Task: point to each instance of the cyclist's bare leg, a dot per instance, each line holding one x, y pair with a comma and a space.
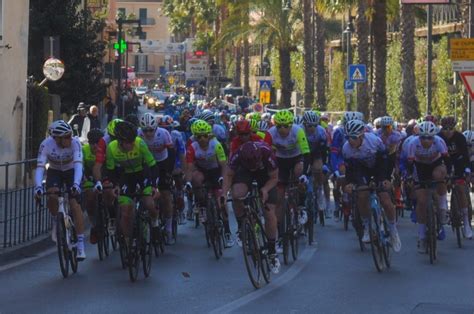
78, 215
239, 191
91, 205
52, 201
126, 218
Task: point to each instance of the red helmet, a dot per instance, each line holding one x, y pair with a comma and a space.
251, 155
243, 126
431, 118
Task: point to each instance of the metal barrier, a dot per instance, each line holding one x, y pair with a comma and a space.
21, 219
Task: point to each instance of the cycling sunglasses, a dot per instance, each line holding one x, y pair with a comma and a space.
352, 137
447, 129
148, 130
310, 125
200, 136
285, 126
426, 137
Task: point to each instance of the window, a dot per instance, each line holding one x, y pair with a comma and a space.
142, 35
143, 15
122, 12
141, 63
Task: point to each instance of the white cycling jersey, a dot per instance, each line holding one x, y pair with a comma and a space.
416, 152
159, 144
286, 147
366, 153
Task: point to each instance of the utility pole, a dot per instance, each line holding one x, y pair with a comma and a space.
471, 35
430, 58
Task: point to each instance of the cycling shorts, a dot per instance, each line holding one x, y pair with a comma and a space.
247, 177
286, 166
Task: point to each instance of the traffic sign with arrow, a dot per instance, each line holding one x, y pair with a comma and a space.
468, 80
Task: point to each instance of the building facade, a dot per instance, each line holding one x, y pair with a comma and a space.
14, 16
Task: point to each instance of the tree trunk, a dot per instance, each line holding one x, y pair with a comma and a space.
308, 54
379, 25
246, 67
410, 105
320, 45
238, 65
362, 31
285, 75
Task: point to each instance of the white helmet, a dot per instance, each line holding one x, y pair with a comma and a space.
352, 115
311, 117
59, 128
378, 122
266, 116
469, 135
148, 121
428, 128
298, 120
386, 121
354, 127
263, 125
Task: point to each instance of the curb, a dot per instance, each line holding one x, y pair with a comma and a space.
27, 250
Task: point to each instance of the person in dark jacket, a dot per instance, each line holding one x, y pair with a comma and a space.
78, 119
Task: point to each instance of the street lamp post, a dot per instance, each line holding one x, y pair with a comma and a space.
120, 22
347, 37
131, 43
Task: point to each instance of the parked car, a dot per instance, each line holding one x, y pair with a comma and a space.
155, 100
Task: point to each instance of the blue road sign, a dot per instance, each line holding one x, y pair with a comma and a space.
265, 85
348, 85
358, 73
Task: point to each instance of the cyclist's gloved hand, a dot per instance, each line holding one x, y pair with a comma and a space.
467, 171
188, 186
98, 186
337, 173
303, 178
326, 169
38, 191
76, 189
221, 179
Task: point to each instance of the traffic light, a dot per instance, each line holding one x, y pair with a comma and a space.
121, 47
199, 53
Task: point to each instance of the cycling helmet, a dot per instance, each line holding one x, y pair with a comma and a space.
207, 116
125, 131
266, 116
243, 126
133, 119
166, 120
378, 122
352, 115
148, 121
201, 127
111, 126
386, 121
411, 123
283, 117
428, 128
448, 122
430, 118
81, 106
94, 135
311, 117
469, 135
263, 125
175, 124
59, 128
251, 154
354, 127
233, 118
256, 116
253, 125
298, 120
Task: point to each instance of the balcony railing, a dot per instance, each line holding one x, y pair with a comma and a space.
149, 21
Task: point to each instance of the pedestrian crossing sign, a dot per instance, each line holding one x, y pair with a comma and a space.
358, 73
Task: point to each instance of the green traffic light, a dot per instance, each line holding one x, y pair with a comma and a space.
122, 47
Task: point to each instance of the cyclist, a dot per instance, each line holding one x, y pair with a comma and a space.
159, 143
365, 156
64, 154
459, 160
426, 154
244, 134
205, 162
293, 156
318, 144
130, 164
255, 161
90, 194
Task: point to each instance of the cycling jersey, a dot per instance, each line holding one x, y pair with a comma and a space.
268, 161
129, 162
102, 148
457, 150
417, 153
59, 159
366, 152
391, 140
159, 144
178, 144
317, 141
219, 132
338, 140
294, 144
404, 153
206, 159
88, 157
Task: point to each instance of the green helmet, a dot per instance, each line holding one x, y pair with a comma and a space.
253, 125
111, 126
283, 117
201, 127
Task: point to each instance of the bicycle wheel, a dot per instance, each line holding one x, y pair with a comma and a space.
431, 233
251, 253
61, 242
386, 245
123, 250
133, 259
73, 251
286, 235
213, 227
375, 243
263, 246
295, 236
145, 245
456, 218
309, 226
174, 227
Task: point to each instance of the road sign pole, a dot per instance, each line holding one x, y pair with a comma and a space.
430, 59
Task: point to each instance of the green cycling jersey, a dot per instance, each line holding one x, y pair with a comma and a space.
129, 162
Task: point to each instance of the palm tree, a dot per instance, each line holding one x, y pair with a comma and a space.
362, 31
308, 54
379, 27
408, 97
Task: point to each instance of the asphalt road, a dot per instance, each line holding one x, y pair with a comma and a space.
331, 277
